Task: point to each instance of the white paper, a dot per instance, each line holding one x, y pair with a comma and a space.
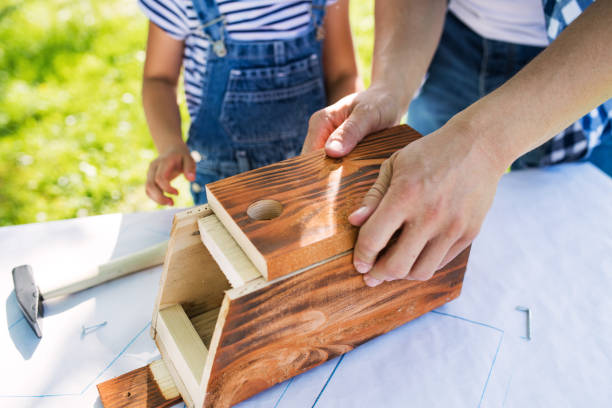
545, 244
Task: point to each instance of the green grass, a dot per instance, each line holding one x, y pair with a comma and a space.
73, 140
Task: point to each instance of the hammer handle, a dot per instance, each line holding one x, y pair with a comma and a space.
114, 269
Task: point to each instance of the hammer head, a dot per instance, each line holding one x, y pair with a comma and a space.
28, 297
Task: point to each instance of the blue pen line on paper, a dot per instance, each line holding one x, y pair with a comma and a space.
76, 394
506, 393
491, 369
283, 393
117, 357
467, 320
501, 339
328, 380
438, 313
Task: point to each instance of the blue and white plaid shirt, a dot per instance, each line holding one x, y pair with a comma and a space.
581, 137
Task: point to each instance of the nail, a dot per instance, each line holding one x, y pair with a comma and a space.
360, 212
86, 330
371, 281
528, 311
362, 267
334, 145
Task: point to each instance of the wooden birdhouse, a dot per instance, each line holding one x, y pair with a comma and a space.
258, 285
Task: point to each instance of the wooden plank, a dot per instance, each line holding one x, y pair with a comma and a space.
190, 276
187, 398
291, 325
184, 347
204, 325
150, 386
232, 260
292, 214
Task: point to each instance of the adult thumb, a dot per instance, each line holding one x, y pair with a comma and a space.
362, 120
189, 167
374, 195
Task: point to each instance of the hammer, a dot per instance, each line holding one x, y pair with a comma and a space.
30, 297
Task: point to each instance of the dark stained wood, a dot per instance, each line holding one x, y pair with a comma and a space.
317, 193
293, 325
136, 389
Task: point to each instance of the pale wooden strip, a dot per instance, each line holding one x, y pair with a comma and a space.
214, 344
164, 380
259, 261
204, 324
184, 347
232, 260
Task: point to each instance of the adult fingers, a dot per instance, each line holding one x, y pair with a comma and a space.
375, 233
375, 194
363, 119
398, 260
431, 256
455, 250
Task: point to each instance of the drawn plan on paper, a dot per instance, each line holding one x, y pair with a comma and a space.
546, 244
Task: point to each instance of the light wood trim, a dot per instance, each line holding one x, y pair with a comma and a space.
232, 260
116, 268
187, 399
190, 276
184, 347
214, 344
204, 324
163, 379
254, 255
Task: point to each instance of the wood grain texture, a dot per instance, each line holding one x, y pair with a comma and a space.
204, 324
316, 194
294, 324
146, 387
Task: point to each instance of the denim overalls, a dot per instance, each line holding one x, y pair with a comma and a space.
257, 97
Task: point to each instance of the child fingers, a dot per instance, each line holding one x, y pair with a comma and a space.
153, 191
189, 167
163, 175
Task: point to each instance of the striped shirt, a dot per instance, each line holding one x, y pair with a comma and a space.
246, 20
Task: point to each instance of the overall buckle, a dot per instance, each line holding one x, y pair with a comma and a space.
219, 48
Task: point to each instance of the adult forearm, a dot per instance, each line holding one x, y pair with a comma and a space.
567, 80
407, 33
162, 113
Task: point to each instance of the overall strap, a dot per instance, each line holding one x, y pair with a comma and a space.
212, 24
318, 14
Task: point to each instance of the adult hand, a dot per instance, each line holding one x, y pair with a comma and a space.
165, 168
437, 190
339, 127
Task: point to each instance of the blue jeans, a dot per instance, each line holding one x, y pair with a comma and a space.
257, 98
467, 67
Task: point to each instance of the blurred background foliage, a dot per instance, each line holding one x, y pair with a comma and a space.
73, 139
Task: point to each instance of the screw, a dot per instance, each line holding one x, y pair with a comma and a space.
528, 311
86, 330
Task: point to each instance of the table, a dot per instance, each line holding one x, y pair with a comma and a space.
545, 244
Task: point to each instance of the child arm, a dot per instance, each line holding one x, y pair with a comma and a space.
160, 78
339, 64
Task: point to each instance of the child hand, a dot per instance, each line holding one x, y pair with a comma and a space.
164, 169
